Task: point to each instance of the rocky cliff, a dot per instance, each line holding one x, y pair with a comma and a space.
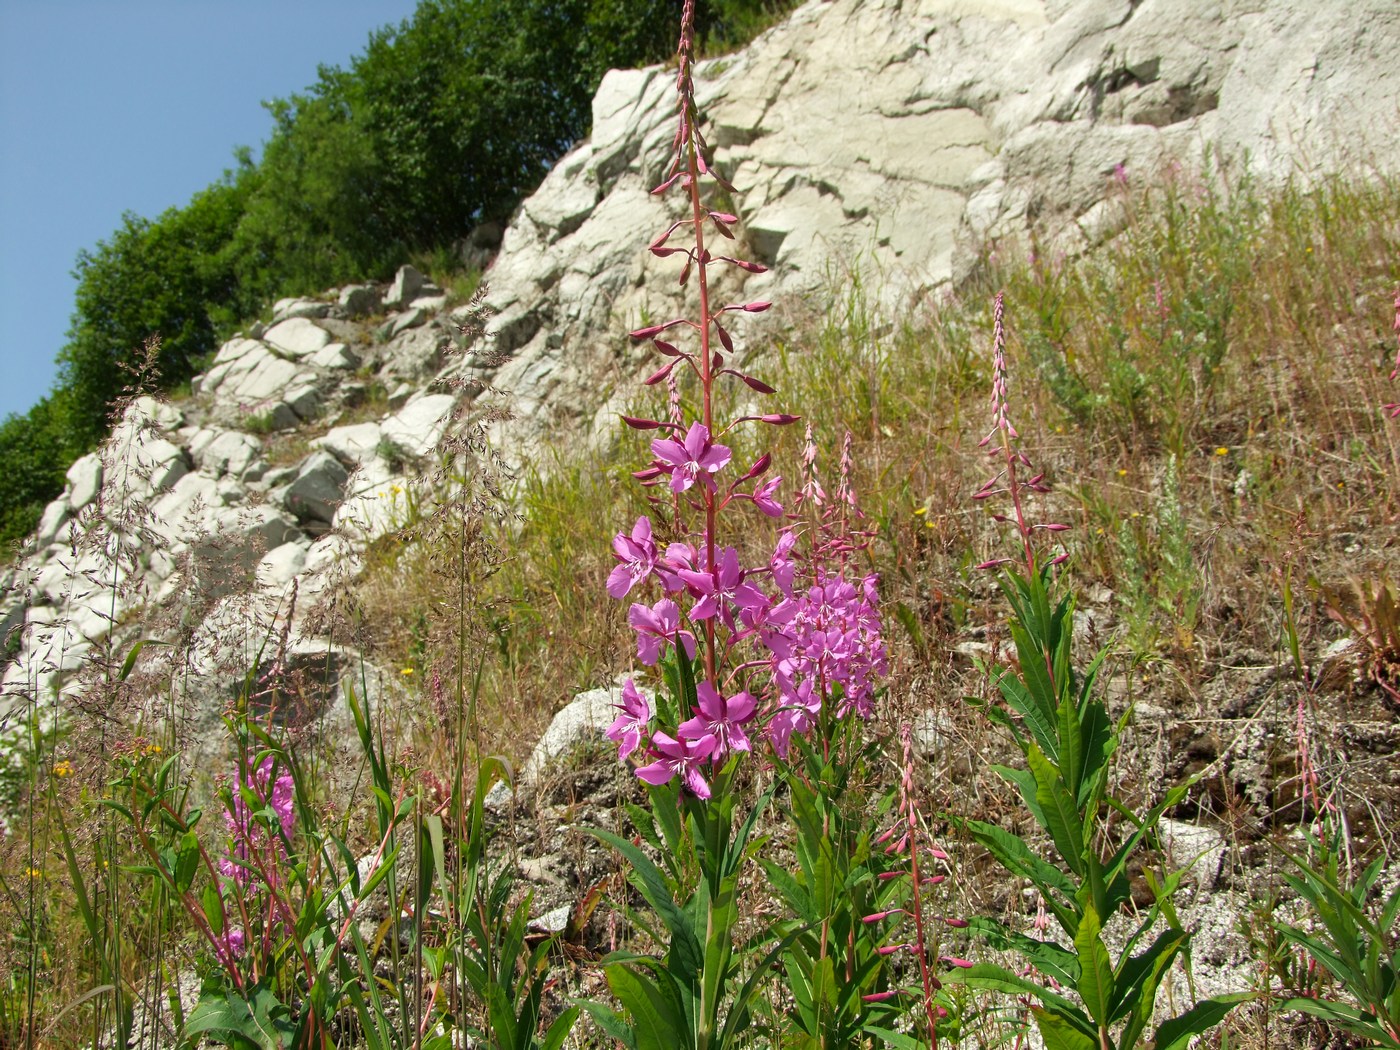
902, 138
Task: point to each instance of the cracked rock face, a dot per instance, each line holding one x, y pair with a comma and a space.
903, 138
898, 137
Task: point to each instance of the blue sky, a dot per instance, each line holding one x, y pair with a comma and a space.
115, 105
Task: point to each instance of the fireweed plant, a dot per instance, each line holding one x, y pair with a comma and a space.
750, 656
1064, 732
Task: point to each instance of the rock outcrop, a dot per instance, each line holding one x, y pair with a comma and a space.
897, 138
905, 138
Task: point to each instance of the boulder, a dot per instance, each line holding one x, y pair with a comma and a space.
580, 722
317, 490
336, 356
410, 318
230, 452
84, 480
408, 282
297, 337
359, 300
56, 515
352, 445
281, 565
377, 502
297, 308
420, 424
415, 354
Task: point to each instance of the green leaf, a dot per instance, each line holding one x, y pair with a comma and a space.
797, 899
611, 1022
898, 1040
187, 862
213, 907
129, 664
386, 865
656, 1021
560, 1029
1012, 852
1059, 1033
1038, 716
999, 979
1176, 1033
261, 1021
1095, 985
650, 883
1134, 972
1061, 813
1046, 956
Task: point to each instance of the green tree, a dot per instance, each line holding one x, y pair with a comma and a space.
167, 277
33, 451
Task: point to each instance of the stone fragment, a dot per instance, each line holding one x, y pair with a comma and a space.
281, 564
334, 355
352, 445
418, 426
359, 300
408, 282
231, 452
578, 723
316, 492
297, 337
56, 515
410, 318
284, 309
84, 480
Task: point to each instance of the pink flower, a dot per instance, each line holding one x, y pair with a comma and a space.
638, 556
249, 834
782, 565
763, 497
657, 625
632, 723
695, 459
723, 590
720, 718
679, 756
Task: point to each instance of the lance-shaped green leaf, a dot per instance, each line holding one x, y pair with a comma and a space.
1059, 1033
1046, 956
1177, 1033
655, 1011
1095, 984
1061, 814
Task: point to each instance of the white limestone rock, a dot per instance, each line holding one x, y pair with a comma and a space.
353, 445
55, 517
408, 282
297, 336
284, 309
415, 354
281, 565
359, 300
419, 425
377, 502
316, 491
229, 452
336, 356
84, 480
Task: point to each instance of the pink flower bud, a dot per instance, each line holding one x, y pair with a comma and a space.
877, 916
879, 997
